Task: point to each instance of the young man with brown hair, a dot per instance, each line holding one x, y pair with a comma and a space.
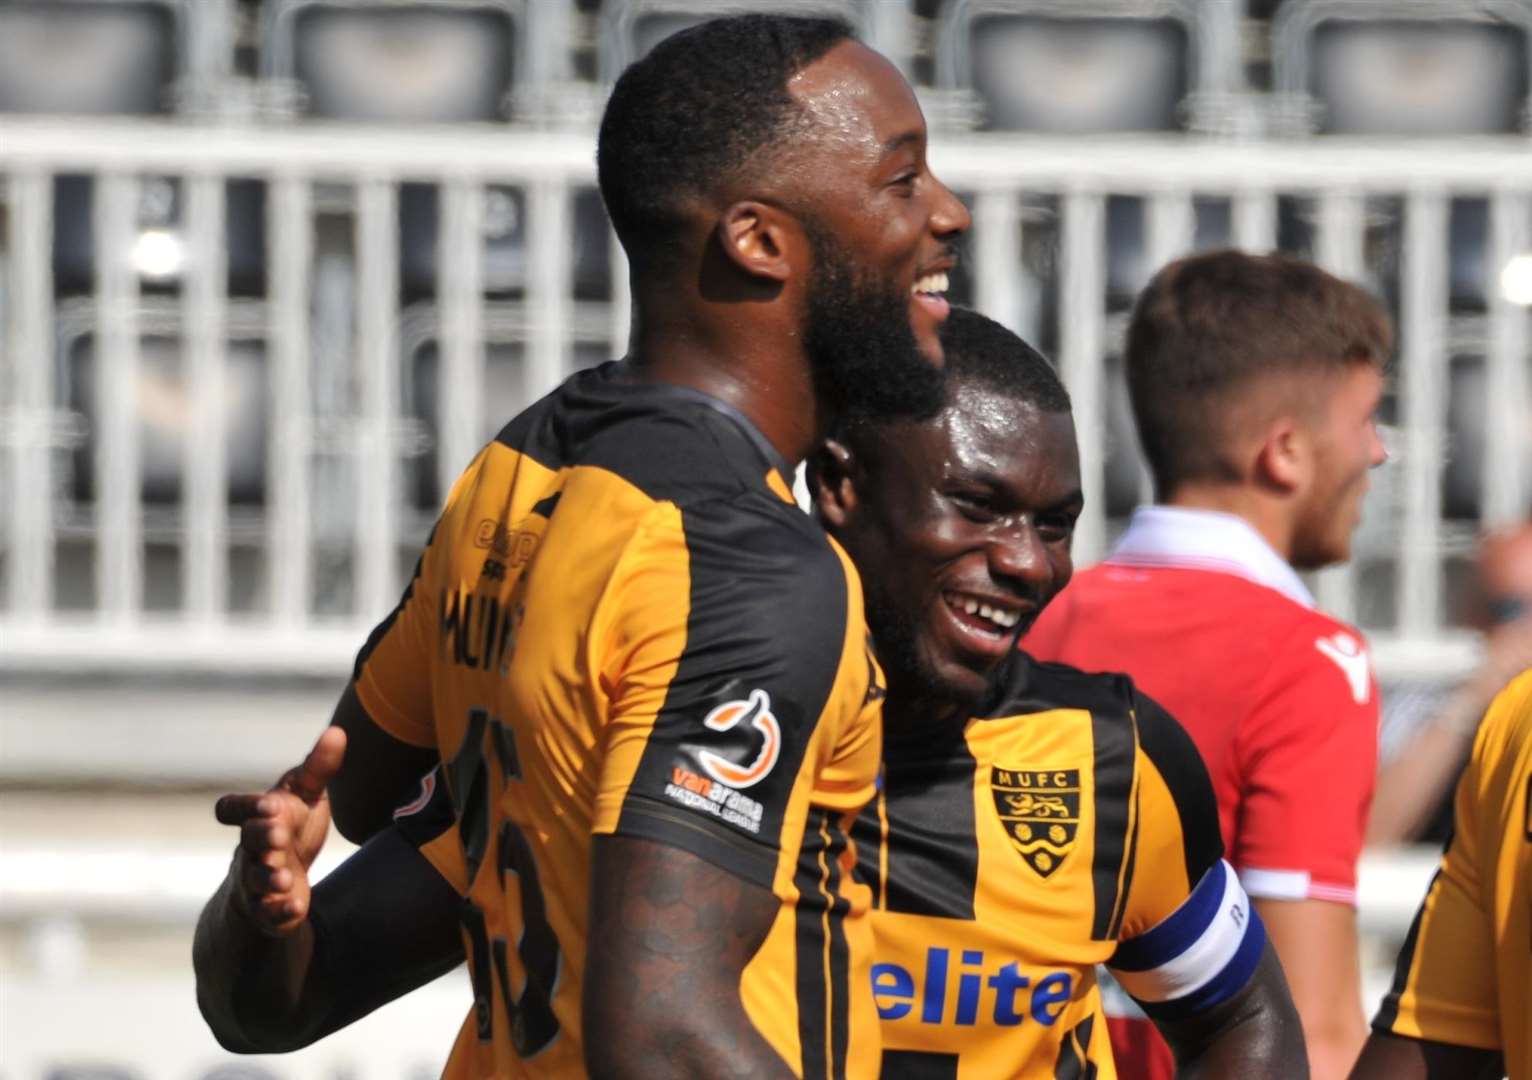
1254, 382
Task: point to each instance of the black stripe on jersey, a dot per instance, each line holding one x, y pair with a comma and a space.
840, 953
823, 963
1388, 1010
546, 506
479, 971
933, 849
1113, 739
1171, 750
1115, 930
918, 1065
767, 610
868, 833
1074, 1061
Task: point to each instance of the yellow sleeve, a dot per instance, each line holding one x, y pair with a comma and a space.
393, 669
1444, 985
1177, 821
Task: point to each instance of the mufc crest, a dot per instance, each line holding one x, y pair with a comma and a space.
1040, 810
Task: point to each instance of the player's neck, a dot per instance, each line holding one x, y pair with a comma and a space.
765, 378
1271, 518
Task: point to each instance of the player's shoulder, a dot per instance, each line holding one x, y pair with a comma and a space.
1505, 733
1029, 685
1325, 656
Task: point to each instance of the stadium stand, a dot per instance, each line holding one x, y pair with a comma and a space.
213, 483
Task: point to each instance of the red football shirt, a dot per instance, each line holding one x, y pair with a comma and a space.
1279, 697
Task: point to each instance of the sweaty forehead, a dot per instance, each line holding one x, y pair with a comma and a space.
857, 97
990, 436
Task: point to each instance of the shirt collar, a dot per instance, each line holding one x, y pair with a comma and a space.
1175, 536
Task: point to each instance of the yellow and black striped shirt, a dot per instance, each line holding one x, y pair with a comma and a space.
1464, 975
1070, 824
623, 624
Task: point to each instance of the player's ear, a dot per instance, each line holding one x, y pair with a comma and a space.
832, 483
1284, 459
757, 238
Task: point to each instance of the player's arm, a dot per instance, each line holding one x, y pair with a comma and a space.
1442, 1017
1395, 1057
1196, 958
378, 771
727, 644
1321, 955
279, 966
1308, 757
671, 934
386, 708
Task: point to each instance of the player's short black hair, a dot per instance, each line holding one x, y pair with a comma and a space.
696, 110
981, 352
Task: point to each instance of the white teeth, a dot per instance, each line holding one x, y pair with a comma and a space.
1002, 617
931, 283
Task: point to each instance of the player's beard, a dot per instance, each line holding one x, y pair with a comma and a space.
857, 333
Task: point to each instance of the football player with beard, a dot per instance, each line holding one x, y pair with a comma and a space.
643, 670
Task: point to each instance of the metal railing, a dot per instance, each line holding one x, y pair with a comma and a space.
343, 445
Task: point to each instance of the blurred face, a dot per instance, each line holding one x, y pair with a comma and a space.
1346, 445
880, 225
960, 529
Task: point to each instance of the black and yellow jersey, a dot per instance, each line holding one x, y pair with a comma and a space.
1464, 975
1071, 823
623, 624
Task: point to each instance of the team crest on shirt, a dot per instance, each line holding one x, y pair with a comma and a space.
1040, 810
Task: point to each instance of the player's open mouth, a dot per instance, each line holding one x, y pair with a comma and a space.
984, 624
928, 291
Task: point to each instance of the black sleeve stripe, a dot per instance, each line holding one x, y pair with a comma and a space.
1112, 737
1388, 1009
1173, 754
766, 611
1115, 930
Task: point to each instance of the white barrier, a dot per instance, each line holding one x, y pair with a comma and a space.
333, 464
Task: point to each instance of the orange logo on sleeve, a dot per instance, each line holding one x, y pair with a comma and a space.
755, 711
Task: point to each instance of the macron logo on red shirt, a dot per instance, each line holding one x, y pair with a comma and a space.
1351, 658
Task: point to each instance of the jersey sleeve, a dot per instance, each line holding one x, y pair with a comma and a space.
1443, 988
392, 674
1189, 937
429, 824
1307, 757
730, 643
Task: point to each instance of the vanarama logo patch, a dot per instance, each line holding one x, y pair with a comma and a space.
754, 711
1040, 810
718, 793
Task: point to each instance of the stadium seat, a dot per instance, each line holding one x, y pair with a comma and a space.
1086, 67
1432, 67
74, 57
431, 61
630, 28
164, 410
1436, 67
108, 58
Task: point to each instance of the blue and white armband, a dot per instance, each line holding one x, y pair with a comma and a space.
1202, 954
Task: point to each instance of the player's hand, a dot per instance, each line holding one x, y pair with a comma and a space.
280, 834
